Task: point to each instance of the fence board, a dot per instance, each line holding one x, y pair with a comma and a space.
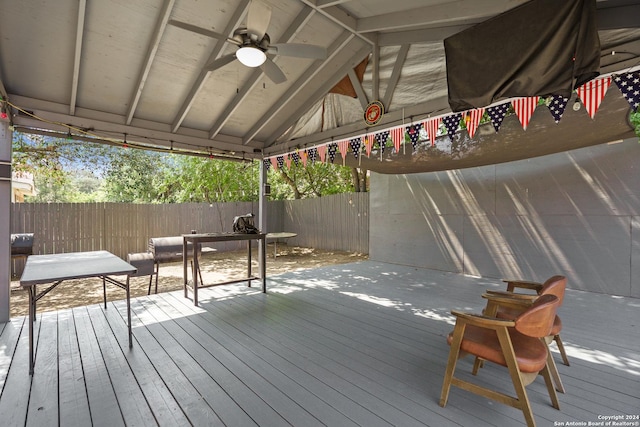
338, 222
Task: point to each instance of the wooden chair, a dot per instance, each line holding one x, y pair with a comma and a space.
509, 305
554, 285
517, 344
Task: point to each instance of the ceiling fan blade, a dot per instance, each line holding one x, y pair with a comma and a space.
220, 62
273, 72
258, 19
299, 50
202, 31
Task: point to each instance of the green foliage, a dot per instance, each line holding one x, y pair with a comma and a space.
196, 179
313, 180
74, 171
132, 176
634, 119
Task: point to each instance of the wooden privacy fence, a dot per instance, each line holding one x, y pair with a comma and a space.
334, 223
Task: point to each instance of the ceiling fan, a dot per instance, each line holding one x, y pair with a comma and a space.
254, 44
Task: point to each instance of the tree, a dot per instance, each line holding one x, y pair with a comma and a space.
313, 180
132, 175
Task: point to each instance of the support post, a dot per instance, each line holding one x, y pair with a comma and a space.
262, 211
5, 219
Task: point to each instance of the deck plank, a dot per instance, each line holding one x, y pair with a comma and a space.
74, 405
8, 342
43, 399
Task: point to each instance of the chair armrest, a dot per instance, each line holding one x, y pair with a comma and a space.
482, 321
508, 300
513, 295
524, 284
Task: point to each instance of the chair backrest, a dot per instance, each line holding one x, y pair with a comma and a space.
537, 321
555, 285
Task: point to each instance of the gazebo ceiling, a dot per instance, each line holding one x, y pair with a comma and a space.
140, 71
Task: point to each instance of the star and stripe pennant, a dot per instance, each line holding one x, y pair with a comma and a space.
497, 114
452, 123
267, 163
356, 144
382, 138
432, 126
629, 85
322, 153
592, 93
414, 134
332, 149
368, 144
397, 135
524, 108
473, 120
557, 105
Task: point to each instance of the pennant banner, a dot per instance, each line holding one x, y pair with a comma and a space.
557, 105
524, 108
296, 158
432, 126
355, 144
397, 135
274, 163
332, 148
497, 115
322, 153
452, 123
313, 154
280, 160
304, 157
368, 144
382, 138
414, 134
267, 163
629, 85
473, 121
344, 147
592, 93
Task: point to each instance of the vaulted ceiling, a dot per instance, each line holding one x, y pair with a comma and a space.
140, 71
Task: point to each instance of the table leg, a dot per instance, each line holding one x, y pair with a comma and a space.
263, 264
129, 312
249, 262
196, 267
104, 292
32, 319
185, 255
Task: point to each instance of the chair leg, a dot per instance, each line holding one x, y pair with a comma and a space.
512, 364
150, 282
157, 274
104, 292
552, 391
458, 333
477, 364
563, 353
553, 370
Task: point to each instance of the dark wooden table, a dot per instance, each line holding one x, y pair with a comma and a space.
197, 239
56, 268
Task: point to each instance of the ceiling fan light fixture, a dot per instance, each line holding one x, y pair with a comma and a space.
251, 56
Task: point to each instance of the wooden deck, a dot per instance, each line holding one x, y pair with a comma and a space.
356, 344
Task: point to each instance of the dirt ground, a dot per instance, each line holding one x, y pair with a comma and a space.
215, 267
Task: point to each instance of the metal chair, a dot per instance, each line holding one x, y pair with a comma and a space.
517, 344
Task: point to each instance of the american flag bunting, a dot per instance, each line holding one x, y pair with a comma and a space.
432, 126
414, 134
267, 163
557, 105
452, 123
332, 149
497, 115
368, 144
473, 120
629, 85
381, 138
322, 153
280, 160
524, 108
274, 163
397, 135
592, 93
355, 144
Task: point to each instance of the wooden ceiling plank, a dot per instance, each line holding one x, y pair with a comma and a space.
158, 32
82, 8
234, 22
395, 75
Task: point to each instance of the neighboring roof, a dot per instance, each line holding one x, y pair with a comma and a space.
125, 71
